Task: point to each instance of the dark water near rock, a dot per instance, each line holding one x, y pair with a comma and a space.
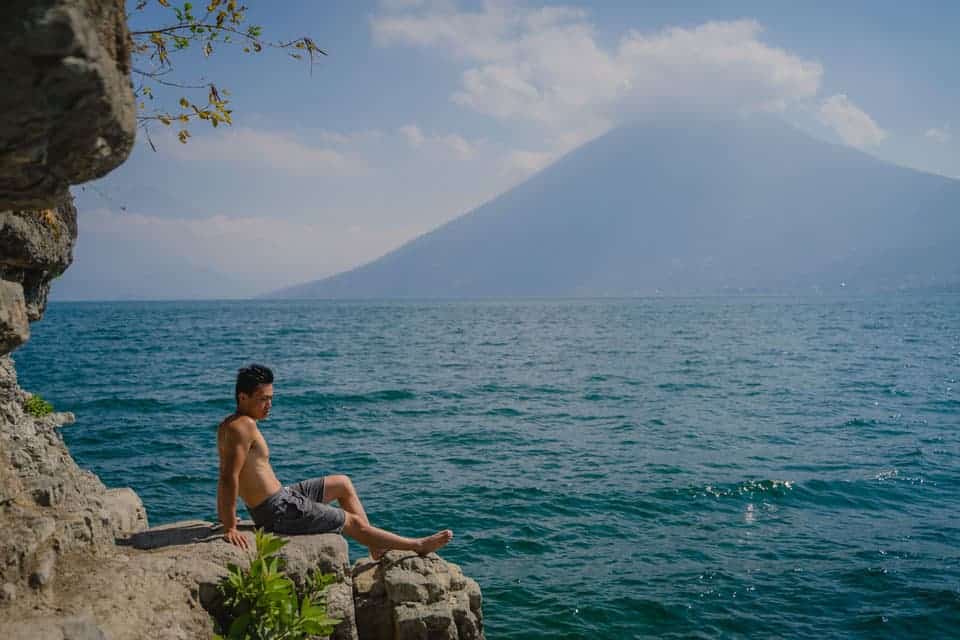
612, 469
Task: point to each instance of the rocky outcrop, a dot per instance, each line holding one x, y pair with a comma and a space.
162, 583
50, 510
68, 116
407, 597
67, 104
36, 246
201, 556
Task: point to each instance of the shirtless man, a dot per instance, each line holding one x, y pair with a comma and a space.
299, 508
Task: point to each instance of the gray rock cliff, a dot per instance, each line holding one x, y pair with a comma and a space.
68, 117
67, 101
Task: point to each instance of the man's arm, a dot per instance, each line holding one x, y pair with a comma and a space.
233, 448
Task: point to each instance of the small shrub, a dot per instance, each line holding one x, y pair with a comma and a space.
37, 406
263, 602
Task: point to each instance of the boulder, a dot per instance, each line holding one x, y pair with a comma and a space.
409, 597
36, 246
198, 549
162, 583
125, 511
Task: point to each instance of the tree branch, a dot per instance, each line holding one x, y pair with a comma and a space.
278, 45
155, 77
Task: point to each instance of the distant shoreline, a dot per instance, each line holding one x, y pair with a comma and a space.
853, 295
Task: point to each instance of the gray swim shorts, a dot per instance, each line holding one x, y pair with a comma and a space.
298, 508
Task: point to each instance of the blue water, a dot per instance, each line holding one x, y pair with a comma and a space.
612, 469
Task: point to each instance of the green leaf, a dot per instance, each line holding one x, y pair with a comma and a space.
264, 602
270, 544
239, 626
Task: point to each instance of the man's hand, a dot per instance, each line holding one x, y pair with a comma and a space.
236, 538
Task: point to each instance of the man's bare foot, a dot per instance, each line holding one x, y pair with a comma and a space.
376, 554
434, 542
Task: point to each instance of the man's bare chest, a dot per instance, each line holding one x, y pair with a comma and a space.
259, 451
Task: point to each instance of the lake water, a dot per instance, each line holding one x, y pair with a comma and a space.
666, 468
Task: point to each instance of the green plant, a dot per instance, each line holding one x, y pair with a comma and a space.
37, 406
263, 602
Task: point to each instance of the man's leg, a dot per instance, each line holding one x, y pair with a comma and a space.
374, 538
358, 526
340, 488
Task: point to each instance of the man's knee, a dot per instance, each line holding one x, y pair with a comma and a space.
354, 525
344, 483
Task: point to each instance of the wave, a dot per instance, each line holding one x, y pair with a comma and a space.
517, 390
749, 488
503, 411
142, 405
600, 397
885, 489
314, 399
685, 386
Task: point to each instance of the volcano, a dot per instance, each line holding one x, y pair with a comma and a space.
684, 206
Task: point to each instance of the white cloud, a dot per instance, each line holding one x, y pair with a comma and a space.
451, 141
527, 162
717, 64
546, 66
458, 145
852, 124
280, 151
941, 134
413, 135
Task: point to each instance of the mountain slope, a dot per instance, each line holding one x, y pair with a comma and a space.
684, 205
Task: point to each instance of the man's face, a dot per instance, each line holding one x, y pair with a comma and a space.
260, 401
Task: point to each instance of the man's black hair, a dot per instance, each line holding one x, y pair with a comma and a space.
250, 377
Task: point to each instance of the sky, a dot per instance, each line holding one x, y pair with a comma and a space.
425, 109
